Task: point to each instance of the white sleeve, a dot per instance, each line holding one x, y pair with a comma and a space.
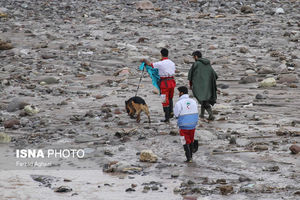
156, 64
177, 109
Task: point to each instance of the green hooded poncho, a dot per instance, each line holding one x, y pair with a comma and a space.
203, 78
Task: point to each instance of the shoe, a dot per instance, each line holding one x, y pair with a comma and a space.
202, 112
171, 108
167, 115
211, 116
188, 152
195, 146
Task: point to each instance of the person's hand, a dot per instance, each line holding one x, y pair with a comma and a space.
142, 60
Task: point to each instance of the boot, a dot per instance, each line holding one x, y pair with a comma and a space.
171, 108
191, 150
187, 150
202, 112
167, 115
195, 146
211, 116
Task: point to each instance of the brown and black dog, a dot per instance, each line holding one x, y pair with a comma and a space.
135, 105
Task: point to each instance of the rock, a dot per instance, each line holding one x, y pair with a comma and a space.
223, 86
144, 5
243, 50
31, 110
271, 169
247, 79
148, 156
175, 175
16, 104
294, 149
266, 70
122, 72
244, 179
260, 96
49, 80
232, 140
268, 82
130, 190
246, 9
279, 11
11, 123
5, 45
121, 166
226, 189
45, 180
204, 135
4, 138
63, 189
250, 72
288, 78
261, 148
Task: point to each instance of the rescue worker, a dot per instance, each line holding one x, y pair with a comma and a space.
186, 110
166, 71
202, 78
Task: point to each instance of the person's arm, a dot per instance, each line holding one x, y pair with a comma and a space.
177, 110
190, 76
147, 62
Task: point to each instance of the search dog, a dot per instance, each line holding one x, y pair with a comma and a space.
135, 105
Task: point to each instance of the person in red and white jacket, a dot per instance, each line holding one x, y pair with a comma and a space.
186, 111
166, 71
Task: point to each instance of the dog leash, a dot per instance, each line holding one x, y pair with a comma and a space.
140, 79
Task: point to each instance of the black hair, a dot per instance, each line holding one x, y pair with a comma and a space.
183, 89
197, 53
164, 52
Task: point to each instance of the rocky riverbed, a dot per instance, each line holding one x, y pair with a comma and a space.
67, 68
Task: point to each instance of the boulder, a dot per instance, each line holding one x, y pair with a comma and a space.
16, 104
31, 110
148, 156
268, 82
288, 78
247, 79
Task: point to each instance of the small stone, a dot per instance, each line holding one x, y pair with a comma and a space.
63, 189
294, 149
244, 179
247, 79
175, 175
226, 189
148, 156
144, 5
261, 148
130, 190
4, 138
260, 96
246, 9
11, 123
244, 50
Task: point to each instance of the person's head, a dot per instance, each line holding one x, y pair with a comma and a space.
183, 90
164, 52
197, 55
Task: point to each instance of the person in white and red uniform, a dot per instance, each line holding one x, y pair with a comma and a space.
166, 71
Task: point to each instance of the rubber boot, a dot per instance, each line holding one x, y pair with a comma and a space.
195, 146
211, 116
171, 108
202, 112
187, 150
167, 115
191, 150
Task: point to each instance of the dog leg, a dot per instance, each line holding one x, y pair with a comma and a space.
146, 110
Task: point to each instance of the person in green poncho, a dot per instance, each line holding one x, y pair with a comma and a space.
202, 78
